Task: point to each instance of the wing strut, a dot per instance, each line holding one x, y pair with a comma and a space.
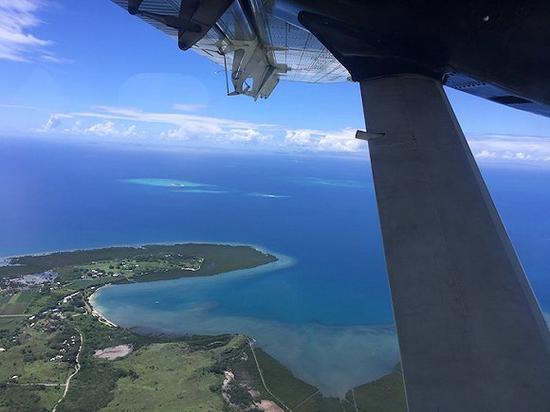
471, 334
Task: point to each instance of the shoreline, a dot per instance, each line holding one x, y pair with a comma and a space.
95, 312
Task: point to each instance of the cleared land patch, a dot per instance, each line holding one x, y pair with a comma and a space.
113, 352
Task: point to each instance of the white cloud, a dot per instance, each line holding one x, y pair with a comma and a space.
508, 148
53, 122
191, 123
301, 137
176, 134
17, 19
184, 126
317, 140
106, 129
110, 129
247, 135
486, 154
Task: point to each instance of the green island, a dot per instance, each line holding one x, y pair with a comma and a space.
57, 354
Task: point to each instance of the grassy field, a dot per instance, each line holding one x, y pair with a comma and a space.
385, 394
163, 373
28, 357
138, 266
8, 327
29, 398
17, 303
4, 298
28, 354
167, 377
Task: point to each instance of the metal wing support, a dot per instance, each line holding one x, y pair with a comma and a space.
255, 48
254, 69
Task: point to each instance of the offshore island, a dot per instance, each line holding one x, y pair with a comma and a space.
57, 353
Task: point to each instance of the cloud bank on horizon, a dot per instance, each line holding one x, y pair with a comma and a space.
185, 126
511, 148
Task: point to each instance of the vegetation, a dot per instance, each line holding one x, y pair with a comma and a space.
47, 332
279, 379
162, 373
8, 328
217, 259
175, 378
28, 398
17, 302
385, 394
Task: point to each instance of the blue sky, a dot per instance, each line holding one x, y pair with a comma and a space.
88, 70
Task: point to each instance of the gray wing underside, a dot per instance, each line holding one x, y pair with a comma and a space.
258, 49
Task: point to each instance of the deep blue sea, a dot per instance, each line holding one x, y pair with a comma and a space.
323, 309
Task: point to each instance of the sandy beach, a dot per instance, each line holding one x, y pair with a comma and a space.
95, 312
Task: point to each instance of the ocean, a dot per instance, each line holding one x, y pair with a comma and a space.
323, 309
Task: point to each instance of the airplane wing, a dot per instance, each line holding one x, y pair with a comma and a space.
258, 47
